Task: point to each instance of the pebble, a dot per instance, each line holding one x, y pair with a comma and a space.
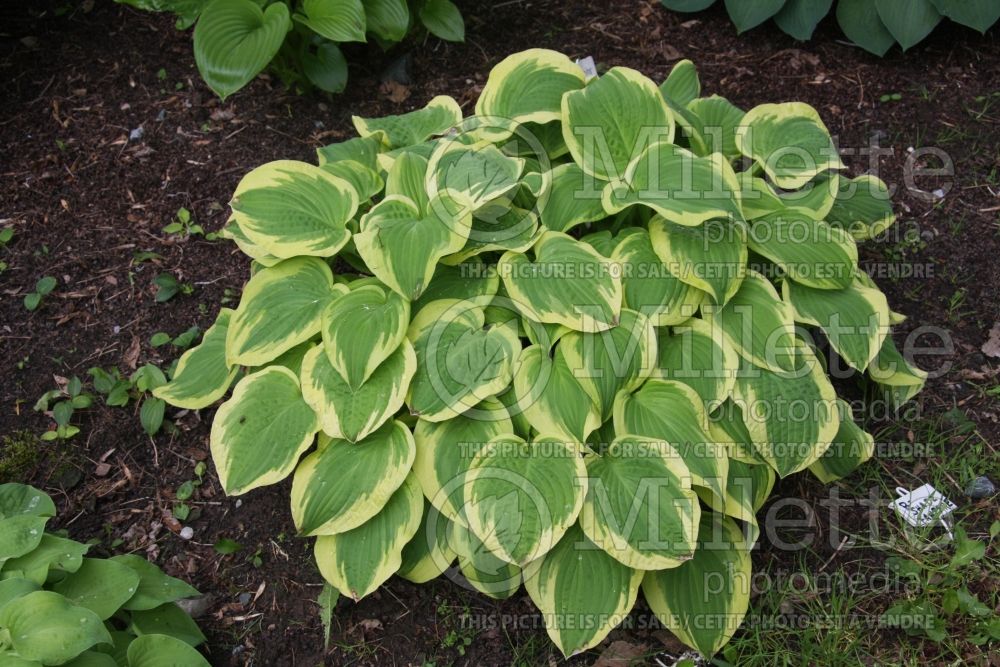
187, 532
980, 487
245, 598
136, 134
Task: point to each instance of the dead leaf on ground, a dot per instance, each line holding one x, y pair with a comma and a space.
991, 348
131, 357
621, 654
395, 91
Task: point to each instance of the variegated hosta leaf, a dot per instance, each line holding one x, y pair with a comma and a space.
851, 447
528, 87
900, 379
498, 227
260, 432
699, 356
247, 247
363, 150
463, 177
281, 307
855, 319
718, 121
445, 451
863, 207
574, 198
407, 177
552, 398
523, 496
682, 85
810, 251
747, 488
711, 256
567, 283
365, 181
581, 591
361, 329
649, 286
485, 572
460, 361
440, 115
814, 201
428, 554
640, 508
353, 413
613, 120
612, 360
727, 425
677, 184
358, 561
202, 375
344, 484
402, 245
293, 208
704, 600
789, 141
757, 324
472, 279
792, 417
672, 412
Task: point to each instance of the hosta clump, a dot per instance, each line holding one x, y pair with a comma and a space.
58, 606
565, 341
234, 40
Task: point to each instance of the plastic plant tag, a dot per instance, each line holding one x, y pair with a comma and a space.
588, 66
924, 506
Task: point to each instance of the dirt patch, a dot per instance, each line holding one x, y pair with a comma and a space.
106, 131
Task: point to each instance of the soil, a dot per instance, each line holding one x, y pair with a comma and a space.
83, 197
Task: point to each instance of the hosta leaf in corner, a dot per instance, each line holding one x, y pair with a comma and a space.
234, 40
358, 561
860, 21
684, 599
163, 651
259, 433
909, 21
523, 496
46, 627
581, 591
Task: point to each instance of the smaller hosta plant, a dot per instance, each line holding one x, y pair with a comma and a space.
567, 341
874, 25
234, 40
60, 607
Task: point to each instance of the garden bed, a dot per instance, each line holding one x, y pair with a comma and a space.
107, 131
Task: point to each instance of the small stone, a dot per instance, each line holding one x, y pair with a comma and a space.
162, 115
136, 134
198, 606
187, 532
245, 598
239, 503
980, 487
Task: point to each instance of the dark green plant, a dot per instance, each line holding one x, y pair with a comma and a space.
58, 607
234, 40
874, 25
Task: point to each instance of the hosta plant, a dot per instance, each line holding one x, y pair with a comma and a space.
60, 607
234, 40
874, 25
565, 342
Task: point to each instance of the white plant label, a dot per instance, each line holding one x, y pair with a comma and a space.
588, 66
924, 506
